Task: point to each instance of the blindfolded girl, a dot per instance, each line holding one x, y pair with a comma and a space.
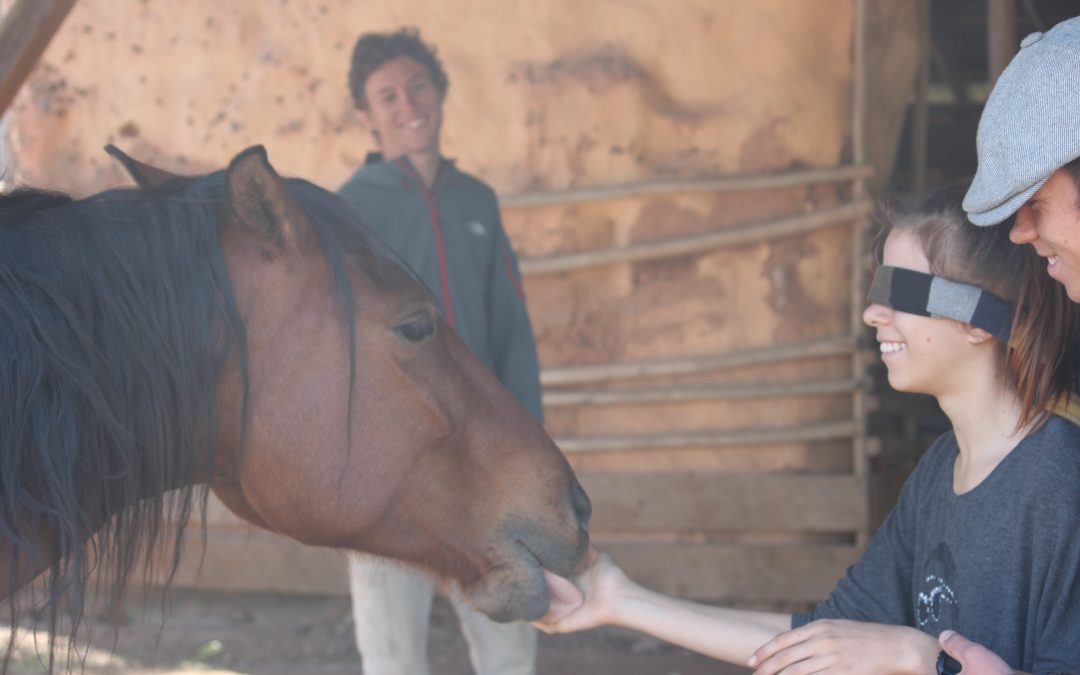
985, 538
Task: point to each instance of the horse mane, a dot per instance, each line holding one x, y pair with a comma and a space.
117, 318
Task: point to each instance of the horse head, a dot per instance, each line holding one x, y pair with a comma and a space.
360, 420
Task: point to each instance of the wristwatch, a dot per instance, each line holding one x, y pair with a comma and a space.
947, 665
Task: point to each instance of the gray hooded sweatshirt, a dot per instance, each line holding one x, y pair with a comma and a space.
452, 238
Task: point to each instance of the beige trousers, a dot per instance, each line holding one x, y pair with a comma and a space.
391, 606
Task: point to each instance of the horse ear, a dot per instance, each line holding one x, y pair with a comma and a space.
261, 203
144, 175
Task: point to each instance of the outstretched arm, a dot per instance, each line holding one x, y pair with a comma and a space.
604, 595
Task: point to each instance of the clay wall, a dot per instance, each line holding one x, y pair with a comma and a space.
700, 359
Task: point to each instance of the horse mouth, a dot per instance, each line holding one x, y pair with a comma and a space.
515, 589
563, 566
537, 555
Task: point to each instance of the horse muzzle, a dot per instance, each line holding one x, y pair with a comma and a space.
514, 589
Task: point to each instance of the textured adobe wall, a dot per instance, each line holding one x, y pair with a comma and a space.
543, 94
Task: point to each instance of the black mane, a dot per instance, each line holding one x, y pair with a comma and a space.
117, 317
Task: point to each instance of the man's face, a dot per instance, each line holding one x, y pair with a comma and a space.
404, 108
1050, 222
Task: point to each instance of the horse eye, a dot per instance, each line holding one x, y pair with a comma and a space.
416, 329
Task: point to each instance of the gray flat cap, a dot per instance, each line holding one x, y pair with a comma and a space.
1030, 126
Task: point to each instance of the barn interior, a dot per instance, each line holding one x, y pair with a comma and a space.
690, 188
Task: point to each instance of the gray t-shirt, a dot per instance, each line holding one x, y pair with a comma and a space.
999, 564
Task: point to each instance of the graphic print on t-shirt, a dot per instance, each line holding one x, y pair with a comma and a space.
936, 606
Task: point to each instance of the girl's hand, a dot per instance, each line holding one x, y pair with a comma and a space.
587, 600
839, 646
564, 596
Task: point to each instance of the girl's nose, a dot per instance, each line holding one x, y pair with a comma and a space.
1023, 229
876, 315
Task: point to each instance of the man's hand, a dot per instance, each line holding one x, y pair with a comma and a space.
976, 659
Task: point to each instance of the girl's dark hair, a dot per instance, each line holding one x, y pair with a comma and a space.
372, 50
1073, 169
1039, 361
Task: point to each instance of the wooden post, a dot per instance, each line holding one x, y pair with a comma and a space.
1001, 41
25, 32
860, 230
920, 107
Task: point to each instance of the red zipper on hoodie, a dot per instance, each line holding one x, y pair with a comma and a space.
432, 202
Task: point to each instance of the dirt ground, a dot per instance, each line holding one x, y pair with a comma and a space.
263, 634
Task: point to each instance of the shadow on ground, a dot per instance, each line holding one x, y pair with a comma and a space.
265, 634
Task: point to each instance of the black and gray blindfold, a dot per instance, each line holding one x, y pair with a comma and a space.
927, 295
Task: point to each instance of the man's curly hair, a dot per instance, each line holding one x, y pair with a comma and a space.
373, 50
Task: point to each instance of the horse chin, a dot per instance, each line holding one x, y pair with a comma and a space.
515, 589
512, 591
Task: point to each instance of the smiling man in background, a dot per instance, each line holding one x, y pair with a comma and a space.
445, 225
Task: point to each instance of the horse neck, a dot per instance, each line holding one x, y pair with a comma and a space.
113, 337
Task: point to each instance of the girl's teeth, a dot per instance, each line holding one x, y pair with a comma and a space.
890, 347
1051, 260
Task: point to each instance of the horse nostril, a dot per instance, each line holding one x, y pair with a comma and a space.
580, 503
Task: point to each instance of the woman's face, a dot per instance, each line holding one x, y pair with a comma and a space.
923, 355
1050, 222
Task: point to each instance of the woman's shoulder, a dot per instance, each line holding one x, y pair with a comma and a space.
942, 450
1051, 459
1059, 437
936, 460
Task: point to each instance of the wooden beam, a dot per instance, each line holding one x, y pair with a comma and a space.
697, 363
920, 107
737, 574
622, 502
809, 433
705, 392
1001, 42
698, 243
25, 32
240, 557
255, 560
824, 503
745, 183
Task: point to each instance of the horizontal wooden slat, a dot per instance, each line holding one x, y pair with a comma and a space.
737, 574
697, 363
713, 572
726, 502
772, 502
699, 243
255, 560
696, 439
553, 399
770, 181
